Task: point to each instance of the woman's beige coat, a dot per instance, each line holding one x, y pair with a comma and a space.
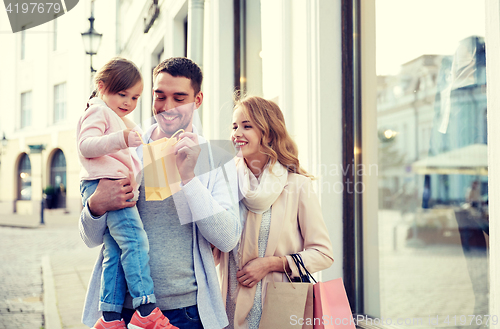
297, 226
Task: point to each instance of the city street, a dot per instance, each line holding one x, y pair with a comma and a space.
21, 296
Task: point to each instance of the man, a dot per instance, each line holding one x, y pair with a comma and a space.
473, 195
182, 267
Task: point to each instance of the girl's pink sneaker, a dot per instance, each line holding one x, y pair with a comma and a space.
117, 324
155, 320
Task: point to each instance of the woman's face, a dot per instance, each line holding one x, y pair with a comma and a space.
245, 136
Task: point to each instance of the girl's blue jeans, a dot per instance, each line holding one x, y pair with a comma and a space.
126, 259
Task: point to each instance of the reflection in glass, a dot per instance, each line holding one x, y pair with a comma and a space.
24, 178
58, 178
433, 196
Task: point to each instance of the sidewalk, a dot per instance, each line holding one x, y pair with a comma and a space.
66, 272
71, 274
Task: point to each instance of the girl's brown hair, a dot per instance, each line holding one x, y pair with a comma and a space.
268, 118
118, 74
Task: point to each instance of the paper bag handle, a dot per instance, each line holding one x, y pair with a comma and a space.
283, 258
140, 137
142, 141
180, 130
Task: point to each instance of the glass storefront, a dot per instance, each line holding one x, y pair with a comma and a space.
58, 179
24, 178
433, 224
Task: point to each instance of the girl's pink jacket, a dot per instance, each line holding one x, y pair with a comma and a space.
101, 145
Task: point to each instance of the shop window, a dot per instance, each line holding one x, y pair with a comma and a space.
23, 43
432, 225
58, 179
59, 102
24, 178
26, 109
248, 47
54, 48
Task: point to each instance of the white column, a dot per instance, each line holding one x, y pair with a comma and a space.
277, 55
326, 90
36, 160
195, 30
371, 262
493, 99
218, 71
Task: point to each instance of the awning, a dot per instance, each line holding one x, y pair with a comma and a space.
468, 160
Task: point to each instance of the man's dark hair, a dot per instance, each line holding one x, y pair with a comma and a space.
181, 67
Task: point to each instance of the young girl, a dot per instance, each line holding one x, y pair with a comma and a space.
279, 210
105, 140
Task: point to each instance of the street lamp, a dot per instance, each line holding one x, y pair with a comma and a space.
91, 39
34, 149
5, 142
387, 135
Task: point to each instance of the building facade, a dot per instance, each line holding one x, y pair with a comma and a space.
305, 55
281, 50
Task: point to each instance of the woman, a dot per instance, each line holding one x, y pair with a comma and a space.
279, 210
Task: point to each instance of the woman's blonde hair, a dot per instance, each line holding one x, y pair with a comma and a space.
268, 118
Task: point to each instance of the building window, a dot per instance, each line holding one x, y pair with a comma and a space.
23, 44
55, 35
59, 102
185, 25
58, 179
26, 109
24, 178
137, 113
248, 47
430, 224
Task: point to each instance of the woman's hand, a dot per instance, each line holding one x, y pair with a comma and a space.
254, 271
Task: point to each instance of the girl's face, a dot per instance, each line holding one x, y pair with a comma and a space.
123, 102
245, 136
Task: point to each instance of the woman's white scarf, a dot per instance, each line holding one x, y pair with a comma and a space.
259, 194
257, 197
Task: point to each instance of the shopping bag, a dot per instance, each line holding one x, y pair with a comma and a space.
161, 177
331, 306
287, 304
309, 309
304, 275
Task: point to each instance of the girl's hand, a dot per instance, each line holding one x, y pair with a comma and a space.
253, 271
132, 139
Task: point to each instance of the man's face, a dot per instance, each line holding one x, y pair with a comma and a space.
174, 102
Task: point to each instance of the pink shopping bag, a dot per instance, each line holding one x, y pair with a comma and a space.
331, 306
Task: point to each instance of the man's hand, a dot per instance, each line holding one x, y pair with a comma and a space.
186, 152
110, 194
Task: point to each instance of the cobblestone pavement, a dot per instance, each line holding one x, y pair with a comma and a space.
21, 293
